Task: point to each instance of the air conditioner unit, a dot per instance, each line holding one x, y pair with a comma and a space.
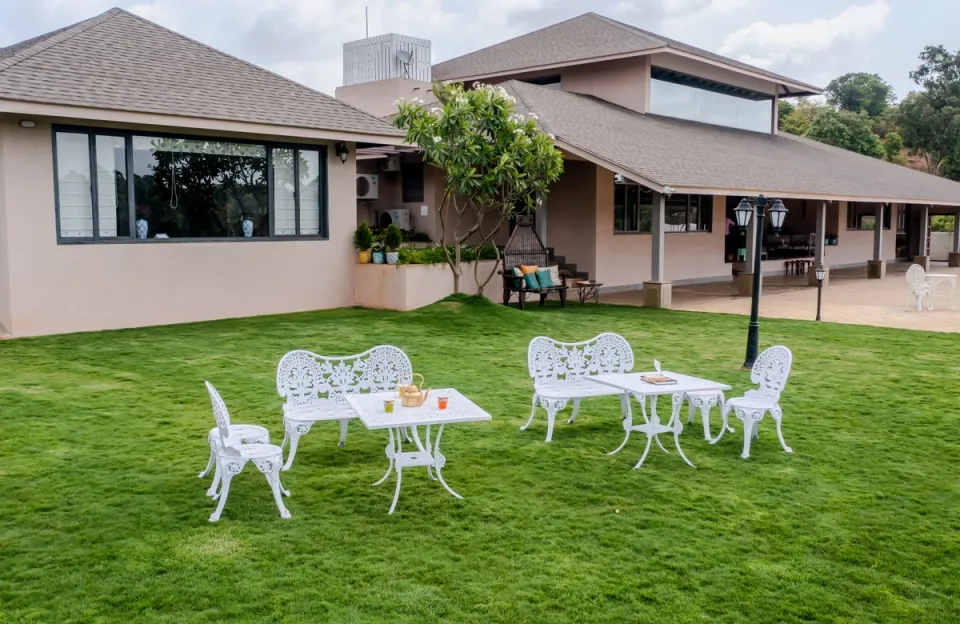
399, 217
390, 164
367, 186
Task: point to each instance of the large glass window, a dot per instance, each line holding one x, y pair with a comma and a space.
863, 216
154, 187
411, 175
673, 95
633, 210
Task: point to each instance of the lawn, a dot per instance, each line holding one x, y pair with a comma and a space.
103, 519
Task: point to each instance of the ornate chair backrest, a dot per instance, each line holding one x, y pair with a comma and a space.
220, 414
770, 372
916, 277
304, 377
554, 363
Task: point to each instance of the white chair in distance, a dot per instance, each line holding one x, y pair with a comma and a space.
770, 372
919, 287
233, 456
705, 401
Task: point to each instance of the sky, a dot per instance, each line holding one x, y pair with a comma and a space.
808, 40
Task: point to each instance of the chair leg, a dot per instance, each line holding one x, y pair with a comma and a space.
522, 296
563, 298
533, 413
210, 463
551, 419
778, 416
576, 408
343, 432
214, 487
748, 425
271, 470
294, 433
690, 410
224, 491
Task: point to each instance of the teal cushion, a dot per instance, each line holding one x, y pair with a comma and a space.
531, 280
544, 278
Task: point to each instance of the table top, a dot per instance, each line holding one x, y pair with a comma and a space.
588, 283
633, 382
369, 408
942, 275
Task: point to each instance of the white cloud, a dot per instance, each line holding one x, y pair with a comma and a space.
768, 45
679, 7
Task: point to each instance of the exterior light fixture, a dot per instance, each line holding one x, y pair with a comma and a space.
778, 212
342, 151
821, 272
668, 191
743, 212
28, 123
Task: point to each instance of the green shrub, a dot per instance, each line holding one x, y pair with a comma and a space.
392, 238
434, 255
362, 237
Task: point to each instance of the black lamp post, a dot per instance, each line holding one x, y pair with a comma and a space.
821, 273
743, 214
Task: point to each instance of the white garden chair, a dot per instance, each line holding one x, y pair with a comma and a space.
560, 372
770, 372
314, 387
918, 285
232, 457
239, 434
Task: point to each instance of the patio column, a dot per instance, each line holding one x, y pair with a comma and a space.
877, 268
954, 259
745, 279
658, 292
923, 259
819, 247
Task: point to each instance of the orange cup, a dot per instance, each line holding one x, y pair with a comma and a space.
442, 402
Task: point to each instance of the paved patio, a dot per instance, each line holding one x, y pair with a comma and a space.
850, 298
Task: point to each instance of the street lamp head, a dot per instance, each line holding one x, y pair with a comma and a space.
777, 212
743, 213
821, 272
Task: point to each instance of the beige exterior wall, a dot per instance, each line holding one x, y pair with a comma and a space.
412, 286
856, 246
571, 215
391, 197
5, 312
624, 82
57, 288
377, 98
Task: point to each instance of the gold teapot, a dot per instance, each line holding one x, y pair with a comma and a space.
412, 394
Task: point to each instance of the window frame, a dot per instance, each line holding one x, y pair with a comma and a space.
854, 208
92, 132
640, 190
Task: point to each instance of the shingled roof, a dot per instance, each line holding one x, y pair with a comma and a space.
688, 155
589, 36
119, 61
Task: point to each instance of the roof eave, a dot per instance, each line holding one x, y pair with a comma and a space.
791, 87
92, 115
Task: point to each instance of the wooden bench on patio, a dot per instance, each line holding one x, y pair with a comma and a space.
524, 248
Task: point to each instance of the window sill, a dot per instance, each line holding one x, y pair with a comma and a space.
164, 241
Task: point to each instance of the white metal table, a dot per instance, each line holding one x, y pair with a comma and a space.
935, 279
634, 384
370, 409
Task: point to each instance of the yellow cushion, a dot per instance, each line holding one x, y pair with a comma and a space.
528, 269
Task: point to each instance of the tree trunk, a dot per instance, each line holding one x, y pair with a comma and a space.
456, 271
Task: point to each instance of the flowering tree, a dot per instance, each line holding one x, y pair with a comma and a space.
496, 163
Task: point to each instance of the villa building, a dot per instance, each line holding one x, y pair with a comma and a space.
661, 140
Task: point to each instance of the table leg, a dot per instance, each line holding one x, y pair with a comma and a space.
396, 494
654, 418
439, 462
390, 451
678, 425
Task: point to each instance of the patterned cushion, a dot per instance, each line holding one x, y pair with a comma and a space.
555, 275
517, 272
545, 279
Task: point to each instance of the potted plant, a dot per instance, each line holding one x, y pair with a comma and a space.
392, 239
363, 241
378, 248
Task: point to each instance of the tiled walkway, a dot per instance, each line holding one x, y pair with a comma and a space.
850, 298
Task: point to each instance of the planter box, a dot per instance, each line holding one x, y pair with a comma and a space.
411, 286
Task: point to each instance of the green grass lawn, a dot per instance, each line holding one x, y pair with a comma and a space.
102, 517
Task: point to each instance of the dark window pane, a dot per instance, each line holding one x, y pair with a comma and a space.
113, 207
311, 186
200, 189
619, 207
412, 179
676, 215
633, 207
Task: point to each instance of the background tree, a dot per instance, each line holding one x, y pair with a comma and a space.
851, 131
860, 92
496, 163
800, 117
930, 119
892, 148
784, 108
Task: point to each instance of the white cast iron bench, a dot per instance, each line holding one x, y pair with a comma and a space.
314, 387
560, 370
